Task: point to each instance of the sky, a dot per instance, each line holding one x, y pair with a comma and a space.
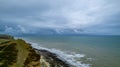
101, 17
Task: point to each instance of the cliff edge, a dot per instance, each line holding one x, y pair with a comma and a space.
18, 53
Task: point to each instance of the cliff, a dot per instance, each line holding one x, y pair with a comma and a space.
18, 53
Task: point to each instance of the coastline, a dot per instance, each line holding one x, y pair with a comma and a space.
51, 59
18, 53
68, 58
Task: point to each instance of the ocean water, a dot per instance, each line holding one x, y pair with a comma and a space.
82, 51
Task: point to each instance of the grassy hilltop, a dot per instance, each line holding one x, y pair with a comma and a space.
17, 53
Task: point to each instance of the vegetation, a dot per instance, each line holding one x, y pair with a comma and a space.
17, 53
3, 36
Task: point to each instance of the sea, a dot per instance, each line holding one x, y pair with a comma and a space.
81, 51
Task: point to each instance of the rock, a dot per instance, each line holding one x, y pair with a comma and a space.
51, 59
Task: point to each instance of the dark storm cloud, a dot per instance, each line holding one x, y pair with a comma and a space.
90, 16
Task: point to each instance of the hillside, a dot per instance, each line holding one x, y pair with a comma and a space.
18, 53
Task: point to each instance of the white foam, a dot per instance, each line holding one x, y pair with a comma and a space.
70, 58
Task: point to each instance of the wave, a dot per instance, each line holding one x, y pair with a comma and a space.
68, 57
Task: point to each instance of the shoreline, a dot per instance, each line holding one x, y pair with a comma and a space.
20, 53
31, 54
66, 59
51, 58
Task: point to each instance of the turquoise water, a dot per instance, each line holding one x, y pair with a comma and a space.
99, 51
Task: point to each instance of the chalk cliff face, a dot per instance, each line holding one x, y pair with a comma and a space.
18, 53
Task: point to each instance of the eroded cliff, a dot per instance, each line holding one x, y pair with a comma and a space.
18, 53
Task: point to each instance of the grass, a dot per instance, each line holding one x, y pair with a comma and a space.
13, 52
17, 53
3, 40
22, 53
7, 57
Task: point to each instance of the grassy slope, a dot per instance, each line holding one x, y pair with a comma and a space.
22, 53
8, 53
16, 54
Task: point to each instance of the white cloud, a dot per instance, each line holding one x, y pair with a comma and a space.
22, 29
9, 29
16, 30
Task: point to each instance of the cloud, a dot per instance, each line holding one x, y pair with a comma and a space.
92, 16
9, 30
17, 30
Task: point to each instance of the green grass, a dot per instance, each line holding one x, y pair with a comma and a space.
8, 55
15, 53
3, 40
22, 53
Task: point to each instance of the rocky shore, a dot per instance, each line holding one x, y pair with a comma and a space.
18, 53
51, 59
